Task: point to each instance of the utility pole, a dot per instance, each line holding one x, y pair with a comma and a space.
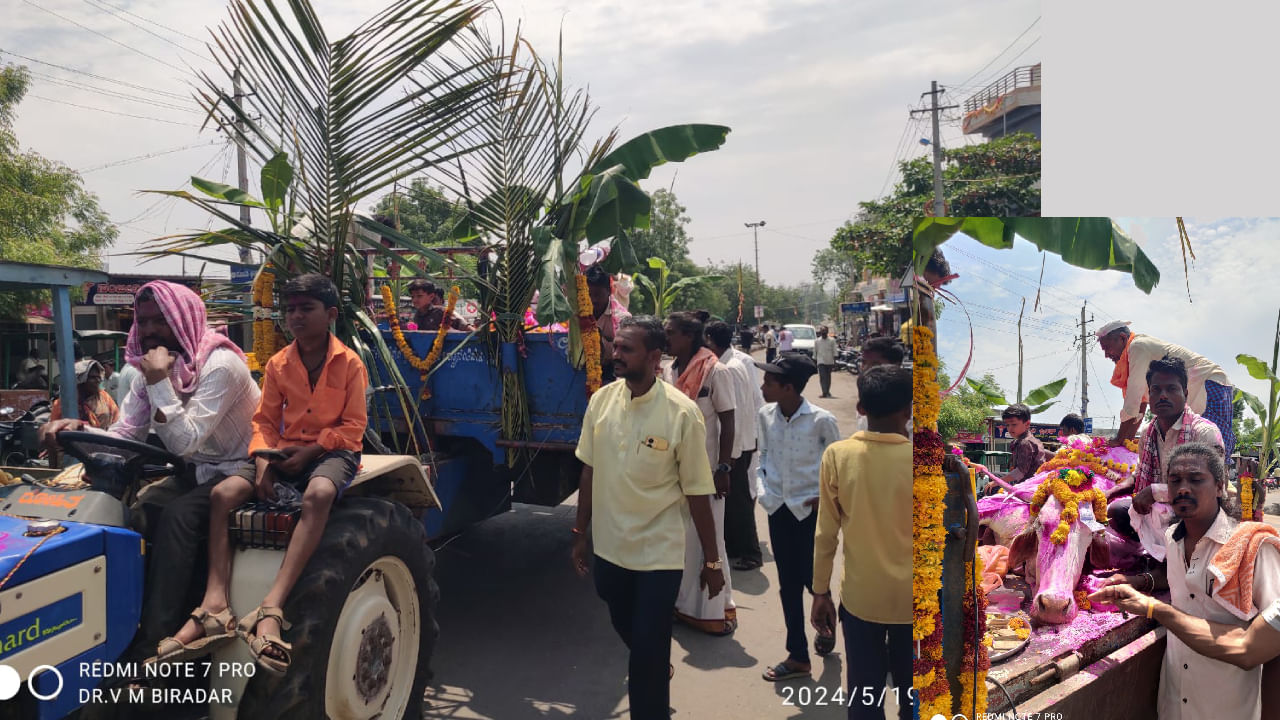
242, 164
755, 228
939, 204
1084, 363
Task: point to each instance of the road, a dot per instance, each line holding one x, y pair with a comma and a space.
523, 637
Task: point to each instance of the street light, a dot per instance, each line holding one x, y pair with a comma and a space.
755, 228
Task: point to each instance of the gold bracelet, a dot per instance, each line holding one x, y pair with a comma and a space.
1151, 606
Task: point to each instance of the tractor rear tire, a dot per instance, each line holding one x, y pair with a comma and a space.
362, 534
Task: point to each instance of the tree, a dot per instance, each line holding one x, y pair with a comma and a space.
965, 409
665, 237
998, 179
422, 212
832, 267
46, 215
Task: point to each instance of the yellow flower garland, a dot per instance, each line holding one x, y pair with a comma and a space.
972, 682
929, 491
1246, 497
1070, 501
591, 337
422, 365
265, 337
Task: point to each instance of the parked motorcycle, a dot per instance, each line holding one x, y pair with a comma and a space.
849, 360
19, 435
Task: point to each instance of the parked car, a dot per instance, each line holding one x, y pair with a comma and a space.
804, 337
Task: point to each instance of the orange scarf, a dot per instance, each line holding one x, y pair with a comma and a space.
1232, 567
1120, 376
695, 373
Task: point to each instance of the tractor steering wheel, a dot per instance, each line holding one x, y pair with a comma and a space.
112, 473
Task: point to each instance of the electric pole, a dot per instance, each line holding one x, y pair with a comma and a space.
242, 165
939, 204
755, 227
1084, 363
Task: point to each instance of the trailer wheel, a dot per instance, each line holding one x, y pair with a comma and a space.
364, 626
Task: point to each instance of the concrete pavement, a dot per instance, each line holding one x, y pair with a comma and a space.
521, 636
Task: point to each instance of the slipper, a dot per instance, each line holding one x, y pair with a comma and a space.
781, 672
258, 644
218, 627
745, 564
824, 644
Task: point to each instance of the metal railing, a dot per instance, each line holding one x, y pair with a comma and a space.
1028, 76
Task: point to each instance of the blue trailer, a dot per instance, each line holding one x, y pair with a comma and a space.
463, 417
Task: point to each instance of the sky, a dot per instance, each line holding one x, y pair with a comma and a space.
1232, 308
817, 93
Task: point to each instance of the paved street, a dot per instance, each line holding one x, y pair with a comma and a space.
523, 637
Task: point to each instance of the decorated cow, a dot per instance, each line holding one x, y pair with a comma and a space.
1066, 521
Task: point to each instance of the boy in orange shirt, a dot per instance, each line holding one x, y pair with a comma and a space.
308, 432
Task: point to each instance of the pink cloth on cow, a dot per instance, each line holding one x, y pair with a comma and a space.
1232, 566
184, 311
995, 558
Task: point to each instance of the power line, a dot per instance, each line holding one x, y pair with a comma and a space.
153, 22
112, 93
1105, 401
148, 156
1002, 52
1012, 60
96, 77
126, 46
153, 33
113, 112
1063, 295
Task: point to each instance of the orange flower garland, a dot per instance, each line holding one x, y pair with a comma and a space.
422, 365
929, 490
1246, 497
973, 680
1060, 486
590, 334
265, 337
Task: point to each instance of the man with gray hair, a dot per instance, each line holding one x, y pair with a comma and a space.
1207, 571
1209, 391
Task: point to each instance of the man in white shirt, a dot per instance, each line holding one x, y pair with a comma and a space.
792, 437
1192, 685
1209, 390
741, 541
824, 353
785, 340
195, 392
770, 344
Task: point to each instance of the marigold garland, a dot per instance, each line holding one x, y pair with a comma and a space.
929, 491
1246, 497
422, 365
1082, 600
266, 339
973, 680
1060, 485
590, 334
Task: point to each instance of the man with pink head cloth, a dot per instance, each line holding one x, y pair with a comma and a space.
194, 391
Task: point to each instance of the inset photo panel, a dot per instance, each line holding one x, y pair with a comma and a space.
1096, 408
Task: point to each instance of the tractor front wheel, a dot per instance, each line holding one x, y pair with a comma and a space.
363, 622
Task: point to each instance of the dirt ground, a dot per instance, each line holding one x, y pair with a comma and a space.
523, 637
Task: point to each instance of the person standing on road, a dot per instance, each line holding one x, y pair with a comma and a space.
770, 344
785, 340
880, 351
1209, 391
741, 541
824, 353
647, 444
698, 373
865, 496
792, 437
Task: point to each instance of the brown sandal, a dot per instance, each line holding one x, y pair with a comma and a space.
259, 643
217, 626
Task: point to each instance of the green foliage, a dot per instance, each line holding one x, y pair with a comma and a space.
662, 291
1089, 243
665, 237
422, 212
1039, 399
998, 178
1269, 458
967, 408
46, 215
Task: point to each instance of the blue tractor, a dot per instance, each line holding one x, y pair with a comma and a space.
72, 575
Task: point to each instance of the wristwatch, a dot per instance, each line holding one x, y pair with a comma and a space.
713, 565
723, 468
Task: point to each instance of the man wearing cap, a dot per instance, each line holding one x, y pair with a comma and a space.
792, 436
1209, 392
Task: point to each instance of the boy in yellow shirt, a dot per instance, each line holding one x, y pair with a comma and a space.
865, 493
